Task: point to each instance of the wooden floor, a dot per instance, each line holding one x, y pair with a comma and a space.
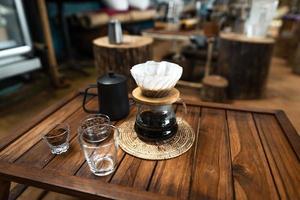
283, 92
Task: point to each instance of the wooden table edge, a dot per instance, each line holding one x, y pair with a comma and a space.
54, 181
169, 35
290, 131
24, 127
232, 107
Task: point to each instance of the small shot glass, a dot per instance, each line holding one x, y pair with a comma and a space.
92, 120
58, 138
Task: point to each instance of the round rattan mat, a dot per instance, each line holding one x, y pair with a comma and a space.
180, 143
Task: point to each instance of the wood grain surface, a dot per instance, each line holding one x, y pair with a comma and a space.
290, 131
85, 188
17, 191
283, 161
24, 127
238, 154
251, 174
212, 178
30, 138
120, 58
173, 177
84, 170
39, 155
245, 64
134, 172
4, 189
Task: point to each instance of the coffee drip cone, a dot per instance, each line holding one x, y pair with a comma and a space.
155, 93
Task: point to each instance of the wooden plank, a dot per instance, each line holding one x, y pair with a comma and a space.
212, 177
72, 185
173, 177
17, 191
26, 141
69, 162
24, 127
251, 174
134, 172
43, 195
289, 131
229, 107
58, 196
39, 155
84, 170
32, 193
283, 161
4, 189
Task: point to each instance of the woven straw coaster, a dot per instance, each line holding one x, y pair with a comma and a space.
180, 143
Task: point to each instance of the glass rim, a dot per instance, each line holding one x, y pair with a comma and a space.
54, 136
93, 142
91, 116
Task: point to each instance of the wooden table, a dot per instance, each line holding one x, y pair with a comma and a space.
177, 35
239, 153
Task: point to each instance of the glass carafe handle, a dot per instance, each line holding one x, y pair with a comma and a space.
180, 100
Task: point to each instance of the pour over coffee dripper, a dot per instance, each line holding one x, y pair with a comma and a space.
155, 95
156, 119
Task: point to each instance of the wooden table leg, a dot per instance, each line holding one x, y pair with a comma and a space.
53, 69
4, 189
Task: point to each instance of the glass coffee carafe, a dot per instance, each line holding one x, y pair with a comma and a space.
156, 119
155, 122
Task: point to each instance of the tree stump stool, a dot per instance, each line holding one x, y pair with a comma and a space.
120, 58
296, 64
214, 88
245, 63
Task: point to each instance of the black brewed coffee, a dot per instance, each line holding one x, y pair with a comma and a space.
155, 126
57, 137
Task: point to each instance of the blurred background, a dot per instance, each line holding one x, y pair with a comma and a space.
240, 52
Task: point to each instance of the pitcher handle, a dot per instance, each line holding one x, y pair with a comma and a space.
180, 100
85, 97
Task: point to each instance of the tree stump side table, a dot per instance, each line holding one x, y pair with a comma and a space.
296, 64
214, 89
121, 57
245, 63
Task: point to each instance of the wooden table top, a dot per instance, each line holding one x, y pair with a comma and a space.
180, 35
239, 153
129, 41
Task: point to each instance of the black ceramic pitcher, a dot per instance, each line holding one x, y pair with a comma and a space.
112, 96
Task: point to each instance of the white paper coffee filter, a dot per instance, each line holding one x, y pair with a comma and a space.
156, 75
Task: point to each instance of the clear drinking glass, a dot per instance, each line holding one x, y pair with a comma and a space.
58, 138
92, 120
100, 144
